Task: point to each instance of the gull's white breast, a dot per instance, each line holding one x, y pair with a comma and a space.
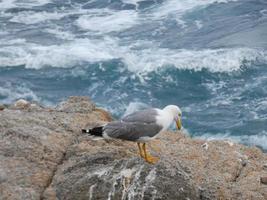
164, 119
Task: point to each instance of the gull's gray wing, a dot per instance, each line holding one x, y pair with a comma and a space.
147, 116
131, 130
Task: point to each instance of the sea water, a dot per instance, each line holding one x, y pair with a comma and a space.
207, 56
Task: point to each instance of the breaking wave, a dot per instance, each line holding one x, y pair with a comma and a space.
12, 92
258, 139
207, 56
84, 51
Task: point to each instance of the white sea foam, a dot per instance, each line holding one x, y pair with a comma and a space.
60, 34
140, 61
30, 17
105, 21
259, 139
138, 56
178, 8
214, 60
6, 4
199, 24
13, 93
131, 1
66, 55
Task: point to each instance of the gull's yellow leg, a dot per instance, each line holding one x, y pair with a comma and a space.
149, 158
140, 150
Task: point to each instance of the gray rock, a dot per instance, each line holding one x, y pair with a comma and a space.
2, 107
32, 144
44, 155
3, 176
76, 105
107, 176
21, 104
263, 180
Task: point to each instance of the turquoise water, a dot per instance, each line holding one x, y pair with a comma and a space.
207, 56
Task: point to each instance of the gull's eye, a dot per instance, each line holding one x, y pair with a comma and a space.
180, 114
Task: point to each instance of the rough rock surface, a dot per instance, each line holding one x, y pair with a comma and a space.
71, 106
44, 155
2, 107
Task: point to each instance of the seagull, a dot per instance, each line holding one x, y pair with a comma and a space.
141, 127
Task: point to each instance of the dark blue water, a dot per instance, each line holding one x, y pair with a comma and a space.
207, 56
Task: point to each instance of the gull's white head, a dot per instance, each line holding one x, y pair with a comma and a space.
176, 112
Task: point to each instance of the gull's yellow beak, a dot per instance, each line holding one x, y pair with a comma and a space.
179, 123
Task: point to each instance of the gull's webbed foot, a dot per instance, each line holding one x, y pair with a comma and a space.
151, 159
148, 157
